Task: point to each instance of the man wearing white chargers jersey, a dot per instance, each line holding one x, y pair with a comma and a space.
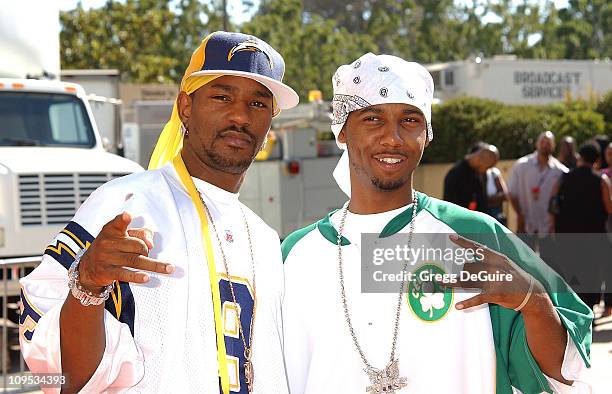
530, 333
194, 276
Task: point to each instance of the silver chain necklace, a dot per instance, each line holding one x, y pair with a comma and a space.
249, 376
385, 380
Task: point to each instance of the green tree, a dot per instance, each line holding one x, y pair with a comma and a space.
313, 48
583, 30
145, 40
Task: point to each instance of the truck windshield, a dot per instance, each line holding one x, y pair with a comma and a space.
44, 119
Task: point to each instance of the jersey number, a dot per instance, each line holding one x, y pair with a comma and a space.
242, 310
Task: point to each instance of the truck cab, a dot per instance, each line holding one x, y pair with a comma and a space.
51, 159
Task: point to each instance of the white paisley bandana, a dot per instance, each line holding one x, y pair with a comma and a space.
372, 80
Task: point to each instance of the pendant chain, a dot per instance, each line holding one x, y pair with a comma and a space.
247, 349
347, 315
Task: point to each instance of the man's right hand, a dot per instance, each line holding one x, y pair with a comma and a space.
121, 254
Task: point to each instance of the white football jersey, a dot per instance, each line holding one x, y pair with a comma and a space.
160, 336
440, 349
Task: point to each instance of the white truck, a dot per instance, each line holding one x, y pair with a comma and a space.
51, 154
522, 81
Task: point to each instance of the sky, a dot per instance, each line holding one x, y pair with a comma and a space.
234, 7
238, 16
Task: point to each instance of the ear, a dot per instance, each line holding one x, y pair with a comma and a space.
183, 104
342, 136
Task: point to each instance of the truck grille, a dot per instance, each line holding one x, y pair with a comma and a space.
54, 198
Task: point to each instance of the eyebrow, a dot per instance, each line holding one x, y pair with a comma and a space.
412, 112
231, 89
227, 88
379, 111
263, 93
373, 110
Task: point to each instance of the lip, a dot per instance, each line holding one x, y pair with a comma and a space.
237, 139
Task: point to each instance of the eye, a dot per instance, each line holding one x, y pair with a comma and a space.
412, 119
221, 98
372, 119
259, 104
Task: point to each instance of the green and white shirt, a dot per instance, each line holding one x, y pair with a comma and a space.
481, 350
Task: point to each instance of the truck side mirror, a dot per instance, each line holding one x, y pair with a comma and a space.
106, 144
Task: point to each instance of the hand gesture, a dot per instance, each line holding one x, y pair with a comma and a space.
501, 281
120, 254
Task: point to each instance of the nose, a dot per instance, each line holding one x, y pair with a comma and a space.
392, 136
239, 114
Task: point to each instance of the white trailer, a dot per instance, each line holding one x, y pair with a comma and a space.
102, 88
294, 186
521, 81
291, 188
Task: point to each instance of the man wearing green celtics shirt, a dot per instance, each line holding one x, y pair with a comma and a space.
528, 332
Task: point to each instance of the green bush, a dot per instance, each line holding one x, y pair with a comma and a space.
581, 125
605, 108
513, 129
454, 125
460, 122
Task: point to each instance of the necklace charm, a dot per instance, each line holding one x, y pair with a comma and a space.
248, 375
387, 380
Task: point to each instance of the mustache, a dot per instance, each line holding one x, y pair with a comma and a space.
237, 129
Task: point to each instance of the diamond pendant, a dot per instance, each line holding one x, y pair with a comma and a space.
387, 380
248, 375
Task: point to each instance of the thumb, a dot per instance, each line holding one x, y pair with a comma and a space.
119, 224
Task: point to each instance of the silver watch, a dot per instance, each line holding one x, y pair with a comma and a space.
85, 296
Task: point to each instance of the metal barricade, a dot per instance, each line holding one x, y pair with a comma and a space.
11, 270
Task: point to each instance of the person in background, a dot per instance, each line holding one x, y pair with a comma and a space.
567, 152
607, 168
603, 141
531, 185
607, 173
583, 205
464, 183
583, 196
497, 193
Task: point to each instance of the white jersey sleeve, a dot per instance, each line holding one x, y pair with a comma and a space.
44, 291
573, 368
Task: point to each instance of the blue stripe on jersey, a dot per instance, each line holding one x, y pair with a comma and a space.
28, 317
121, 303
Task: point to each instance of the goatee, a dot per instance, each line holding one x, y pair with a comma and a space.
388, 186
227, 164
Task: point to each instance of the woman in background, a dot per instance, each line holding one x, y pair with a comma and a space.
497, 193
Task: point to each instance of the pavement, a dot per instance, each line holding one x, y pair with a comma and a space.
600, 374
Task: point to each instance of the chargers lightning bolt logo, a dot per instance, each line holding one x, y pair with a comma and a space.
250, 46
